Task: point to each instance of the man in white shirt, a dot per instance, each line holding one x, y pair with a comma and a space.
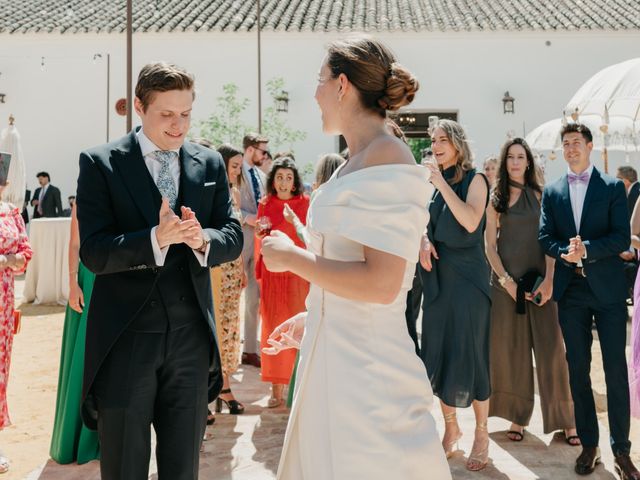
46, 199
252, 190
154, 214
584, 225
629, 177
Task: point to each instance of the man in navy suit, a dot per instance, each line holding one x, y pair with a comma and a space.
154, 214
584, 225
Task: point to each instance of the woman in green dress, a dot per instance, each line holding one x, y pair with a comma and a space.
71, 440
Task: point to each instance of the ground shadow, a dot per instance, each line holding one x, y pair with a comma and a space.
32, 310
268, 437
545, 461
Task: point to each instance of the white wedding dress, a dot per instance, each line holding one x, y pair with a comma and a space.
362, 402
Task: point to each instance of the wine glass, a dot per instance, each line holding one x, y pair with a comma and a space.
264, 226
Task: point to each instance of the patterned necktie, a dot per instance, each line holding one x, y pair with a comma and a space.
42, 194
165, 182
582, 178
255, 185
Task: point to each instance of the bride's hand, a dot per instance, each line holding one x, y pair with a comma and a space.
286, 335
276, 248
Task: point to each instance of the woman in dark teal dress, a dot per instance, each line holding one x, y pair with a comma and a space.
71, 441
455, 278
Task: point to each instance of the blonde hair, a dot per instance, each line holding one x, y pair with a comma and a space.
457, 136
161, 77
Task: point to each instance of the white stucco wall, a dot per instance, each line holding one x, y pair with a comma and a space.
61, 109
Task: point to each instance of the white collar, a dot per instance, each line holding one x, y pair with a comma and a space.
588, 170
247, 165
147, 146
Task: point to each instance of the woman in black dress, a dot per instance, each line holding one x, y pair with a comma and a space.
455, 277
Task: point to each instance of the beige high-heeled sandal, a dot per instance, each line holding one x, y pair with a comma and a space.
448, 446
478, 460
277, 396
4, 464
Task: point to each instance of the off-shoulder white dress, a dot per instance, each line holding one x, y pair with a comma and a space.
362, 403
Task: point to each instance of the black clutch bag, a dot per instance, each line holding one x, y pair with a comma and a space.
526, 284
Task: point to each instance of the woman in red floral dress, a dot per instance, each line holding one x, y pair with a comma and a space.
15, 252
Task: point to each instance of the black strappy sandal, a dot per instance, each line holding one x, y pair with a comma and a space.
234, 406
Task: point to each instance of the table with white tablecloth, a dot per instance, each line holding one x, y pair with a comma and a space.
47, 278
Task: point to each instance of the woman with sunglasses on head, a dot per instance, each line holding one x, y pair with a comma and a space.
455, 280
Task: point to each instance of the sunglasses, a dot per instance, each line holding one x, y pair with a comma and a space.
266, 152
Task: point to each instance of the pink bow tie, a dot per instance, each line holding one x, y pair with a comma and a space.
582, 178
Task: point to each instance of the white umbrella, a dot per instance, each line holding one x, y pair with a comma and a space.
620, 136
10, 143
612, 92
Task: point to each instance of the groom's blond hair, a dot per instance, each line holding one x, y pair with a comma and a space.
161, 77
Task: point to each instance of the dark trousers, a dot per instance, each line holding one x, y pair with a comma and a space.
157, 379
576, 310
414, 299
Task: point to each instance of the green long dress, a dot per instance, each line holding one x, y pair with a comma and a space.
71, 440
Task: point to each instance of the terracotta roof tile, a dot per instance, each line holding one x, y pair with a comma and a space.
108, 16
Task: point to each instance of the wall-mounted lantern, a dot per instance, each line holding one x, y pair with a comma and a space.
282, 102
508, 103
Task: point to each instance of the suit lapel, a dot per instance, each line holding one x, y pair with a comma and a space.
129, 163
591, 192
566, 195
192, 176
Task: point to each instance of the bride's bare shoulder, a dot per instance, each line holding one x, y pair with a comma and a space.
388, 150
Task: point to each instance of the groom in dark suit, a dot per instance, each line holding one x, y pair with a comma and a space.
154, 215
584, 225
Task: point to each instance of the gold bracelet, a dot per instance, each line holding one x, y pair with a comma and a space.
504, 279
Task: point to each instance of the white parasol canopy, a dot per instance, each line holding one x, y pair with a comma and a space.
620, 136
10, 143
612, 92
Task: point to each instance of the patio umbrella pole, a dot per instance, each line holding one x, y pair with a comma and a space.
129, 72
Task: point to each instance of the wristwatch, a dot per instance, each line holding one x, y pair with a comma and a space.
205, 241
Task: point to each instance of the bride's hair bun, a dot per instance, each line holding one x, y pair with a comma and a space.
401, 89
382, 83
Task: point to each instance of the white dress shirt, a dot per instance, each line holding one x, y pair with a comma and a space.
577, 193
154, 166
247, 174
43, 192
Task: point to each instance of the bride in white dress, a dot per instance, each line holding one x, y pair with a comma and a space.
362, 399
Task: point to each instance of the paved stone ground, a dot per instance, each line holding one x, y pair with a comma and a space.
247, 447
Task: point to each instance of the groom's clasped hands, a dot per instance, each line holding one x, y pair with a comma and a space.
173, 229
